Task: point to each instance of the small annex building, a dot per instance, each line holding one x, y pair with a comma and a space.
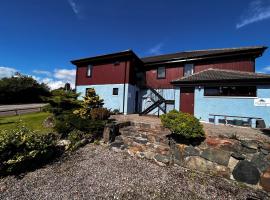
215, 85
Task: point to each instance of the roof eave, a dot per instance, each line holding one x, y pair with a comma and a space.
128, 53
256, 53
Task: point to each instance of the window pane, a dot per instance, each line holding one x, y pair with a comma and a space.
115, 91
239, 91
188, 69
161, 72
89, 70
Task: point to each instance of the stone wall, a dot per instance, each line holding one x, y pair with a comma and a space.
247, 161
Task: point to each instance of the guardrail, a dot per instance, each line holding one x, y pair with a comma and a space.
16, 110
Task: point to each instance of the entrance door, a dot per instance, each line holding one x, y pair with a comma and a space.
187, 100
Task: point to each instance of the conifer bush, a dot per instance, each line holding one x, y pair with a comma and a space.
183, 124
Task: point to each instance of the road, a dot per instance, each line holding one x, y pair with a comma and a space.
7, 110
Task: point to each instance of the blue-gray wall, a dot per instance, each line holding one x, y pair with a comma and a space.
113, 101
235, 106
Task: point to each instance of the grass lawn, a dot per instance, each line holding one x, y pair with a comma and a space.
32, 121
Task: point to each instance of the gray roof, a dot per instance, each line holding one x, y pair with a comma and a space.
257, 50
222, 75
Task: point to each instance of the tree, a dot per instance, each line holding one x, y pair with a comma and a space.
90, 101
22, 89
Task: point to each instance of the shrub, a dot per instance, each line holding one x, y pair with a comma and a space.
183, 124
23, 147
90, 101
69, 122
100, 114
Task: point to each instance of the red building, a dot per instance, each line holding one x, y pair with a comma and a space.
157, 84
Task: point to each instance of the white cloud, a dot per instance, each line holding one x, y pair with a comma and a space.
155, 50
65, 74
42, 72
266, 69
52, 83
258, 10
75, 8
7, 72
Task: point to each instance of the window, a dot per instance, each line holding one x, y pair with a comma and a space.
115, 91
236, 91
188, 69
89, 70
161, 72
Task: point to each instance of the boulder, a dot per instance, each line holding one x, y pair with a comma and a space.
246, 172
149, 155
117, 144
191, 151
179, 152
217, 156
238, 156
265, 180
232, 163
260, 161
161, 159
141, 140
266, 146
251, 144
203, 165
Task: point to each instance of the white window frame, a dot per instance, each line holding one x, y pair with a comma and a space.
186, 66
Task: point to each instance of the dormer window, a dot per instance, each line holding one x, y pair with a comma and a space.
188, 69
89, 70
161, 72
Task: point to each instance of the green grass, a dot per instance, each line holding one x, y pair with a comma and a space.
33, 121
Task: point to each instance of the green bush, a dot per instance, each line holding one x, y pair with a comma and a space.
22, 147
77, 139
100, 113
183, 124
66, 123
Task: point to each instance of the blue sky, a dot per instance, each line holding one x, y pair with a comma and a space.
39, 37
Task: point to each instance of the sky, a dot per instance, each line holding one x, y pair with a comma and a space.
40, 37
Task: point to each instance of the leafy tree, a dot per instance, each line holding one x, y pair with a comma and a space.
22, 89
90, 101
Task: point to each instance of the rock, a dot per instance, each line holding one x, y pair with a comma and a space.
265, 152
249, 144
203, 165
218, 156
119, 138
260, 161
266, 146
117, 144
232, 163
140, 154
191, 151
179, 152
238, 156
265, 180
246, 172
141, 140
63, 143
162, 149
246, 150
133, 150
149, 155
216, 141
162, 159
151, 138
48, 122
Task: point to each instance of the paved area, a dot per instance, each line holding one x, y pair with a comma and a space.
210, 129
95, 172
6, 110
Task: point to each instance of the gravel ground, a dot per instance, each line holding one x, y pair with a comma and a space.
95, 172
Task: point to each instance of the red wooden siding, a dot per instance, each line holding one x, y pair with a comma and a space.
172, 73
107, 73
176, 71
236, 64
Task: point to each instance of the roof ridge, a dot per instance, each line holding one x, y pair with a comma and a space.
211, 49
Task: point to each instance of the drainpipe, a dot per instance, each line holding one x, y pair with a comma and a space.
124, 95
